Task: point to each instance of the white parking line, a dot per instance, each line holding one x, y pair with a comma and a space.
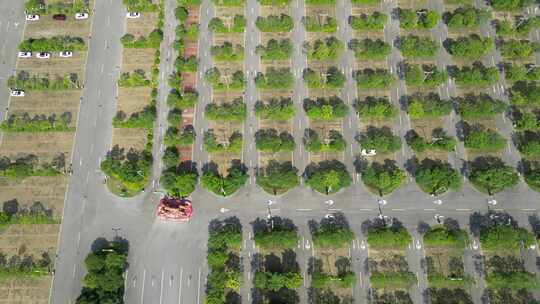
180, 287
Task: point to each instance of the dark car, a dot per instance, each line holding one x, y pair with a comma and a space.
59, 17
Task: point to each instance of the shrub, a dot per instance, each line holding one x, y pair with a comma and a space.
140, 5
313, 142
274, 2
275, 79
529, 143
525, 121
424, 76
25, 81
418, 47
505, 237
369, 49
420, 19
27, 166
332, 79
273, 23
135, 79
213, 146
428, 106
332, 233
395, 236
276, 50
39, 7
472, 47
328, 177
520, 72
179, 182
443, 236
131, 169
275, 109
518, 49
238, 25
182, 101
275, 281
532, 175
379, 139
143, 119
281, 235
234, 82
229, 3
383, 178
373, 22
325, 108
153, 40
506, 5
525, 94
38, 123
175, 138
234, 111
226, 52
376, 108
53, 44
439, 141
374, 79
327, 49
312, 24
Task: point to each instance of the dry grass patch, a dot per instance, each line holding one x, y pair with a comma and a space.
26, 290
225, 96
47, 102
55, 64
49, 191
47, 27
138, 59
222, 11
142, 26
413, 4
267, 10
131, 100
266, 157
29, 239
130, 138
368, 35
48, 144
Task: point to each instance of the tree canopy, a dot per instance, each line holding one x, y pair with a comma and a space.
278, 177
322, 25
368, 49
424, 75
436, 177
480, 138
379, 108
276, 50
373, 22
275, 109
492, 175
374, 79
440, 141
275, 79
217, 25
274, 23
268, 140
324, 49
313, 142
525, 93
382, 140
528, 143
227, 52
518, 49
428, 106
510, 5
333, 78
419, 19
225, 185
521, 72
383, 178
481, 106
332, 233
229, 111
466, 17
328, 177
325, 108
476, 75
212, 145
180, 181
471, 47
417, 47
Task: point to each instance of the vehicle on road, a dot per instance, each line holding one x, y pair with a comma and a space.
371, 152
25, 55
66, 54
133, 15
81, 16
32, 17
59, 17
43, 55
16, 93
174, 209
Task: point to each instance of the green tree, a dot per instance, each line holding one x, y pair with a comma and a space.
510, 5
274, 23
332, 233
328, 177
418, 47
324, 49
268, 140
532, 175
525, 121
379, 108
313, 143
179, 181
383, 178
331, 108
332, 79
278, 177
217, 25
428, 106
374, 79
225, 185
478, 137
320, 25
466, 17
374, 22
419, 19
227, 52
492, 175
276, 50
518, 49
275, 109
233, 111
424, 76
529, 143
471, 47
381, 140
369, 49
525, 94
482, 106
275, 79
436, 177
476, 75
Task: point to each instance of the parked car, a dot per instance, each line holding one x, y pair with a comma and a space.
66, 54
59, 17
81, 16
25, 55
133, 15
32, 17
365, 152
16, 93
43, 55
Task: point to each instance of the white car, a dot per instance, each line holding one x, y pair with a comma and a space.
43, 55
16, 93
371, 152
32, 17
25, 55
66, 54
133, 15
81, 16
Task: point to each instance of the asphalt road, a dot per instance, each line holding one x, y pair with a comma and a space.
12, 23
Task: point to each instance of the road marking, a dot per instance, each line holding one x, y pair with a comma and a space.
365, 209
180, 287
161, 288
398, 209
462, 209
430, 209
528, 209
142, 289
199, 287
303, 209
74, 270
